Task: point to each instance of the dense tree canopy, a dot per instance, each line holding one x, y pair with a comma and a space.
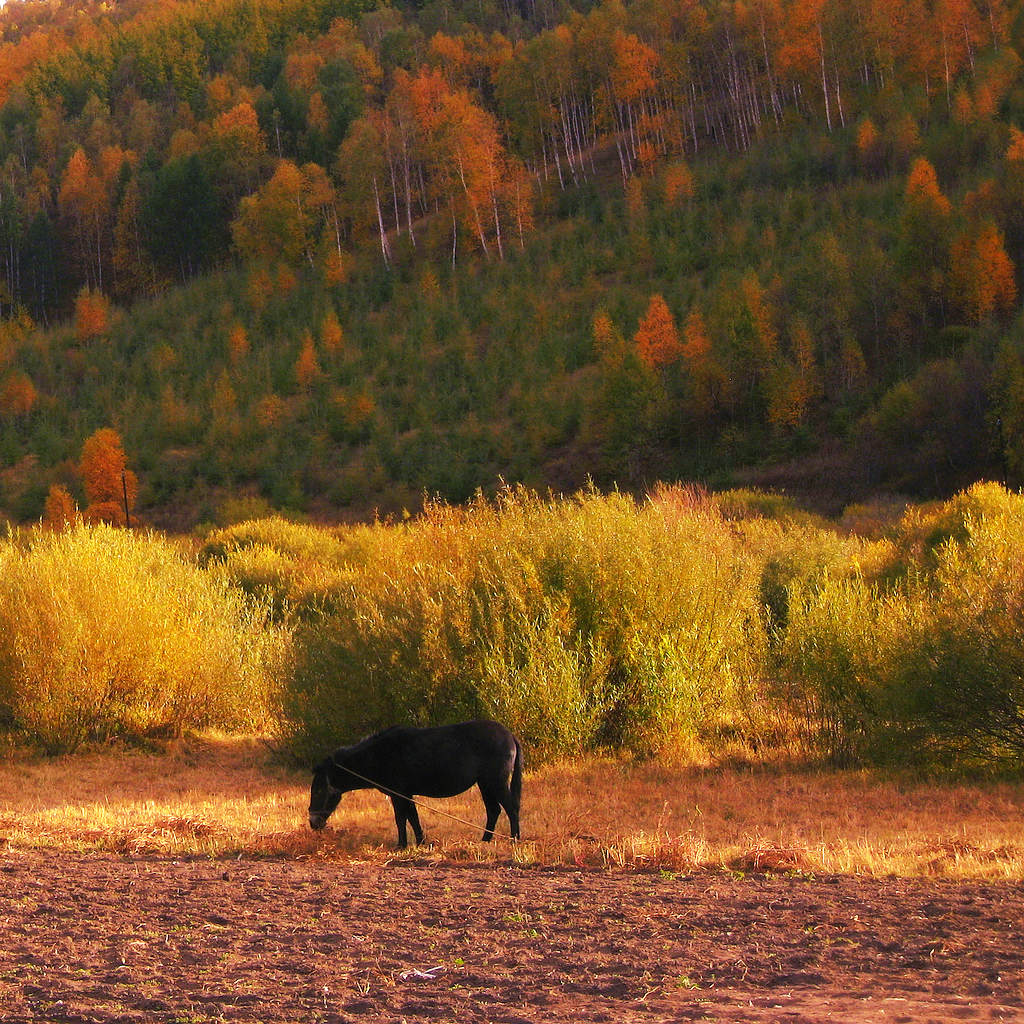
788, 207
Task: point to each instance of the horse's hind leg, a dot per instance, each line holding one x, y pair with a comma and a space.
498, 796
511, 805
414, 819
493, 805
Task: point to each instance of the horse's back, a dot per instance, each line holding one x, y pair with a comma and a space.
440, 760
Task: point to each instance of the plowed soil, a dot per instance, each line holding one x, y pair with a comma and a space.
103, 938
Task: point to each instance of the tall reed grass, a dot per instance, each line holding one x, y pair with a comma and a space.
105, 632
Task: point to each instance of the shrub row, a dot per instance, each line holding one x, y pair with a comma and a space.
681, 624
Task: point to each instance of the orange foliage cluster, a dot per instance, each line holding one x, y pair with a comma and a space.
18, 395
270, 412
696, 343
92, 315
60, 510
467, 131
923, 195
982, 275
307, 368
105, 477
657, 339
679, 183
238, 343
331, 335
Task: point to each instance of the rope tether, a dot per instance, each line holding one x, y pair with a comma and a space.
416, 803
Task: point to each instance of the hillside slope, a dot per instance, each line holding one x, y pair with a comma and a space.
332, 257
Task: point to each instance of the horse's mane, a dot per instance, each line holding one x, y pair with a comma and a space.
362, 744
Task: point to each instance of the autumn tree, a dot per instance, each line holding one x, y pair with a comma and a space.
18, 395
753, 332
657, 339
92, 315
631, 83
82, 201
331, 334
238, 343
805, 57
702, 370
982, 277
923, 253
307, 367
279, 221
106, 480
703, 380
237, 149
926, 210
869, 146
223, 424
465, 160
678, 183
793, 382
60, 510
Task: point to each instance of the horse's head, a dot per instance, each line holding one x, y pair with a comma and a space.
324, 795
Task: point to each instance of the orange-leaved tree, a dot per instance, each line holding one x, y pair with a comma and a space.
678, 182
870, 148
657, 339
923, 253
238, 343
18, 395
331, 334
982, 275
307, 366
82, 202
926, 210
60, 510
92, 315
107, 481
702, 369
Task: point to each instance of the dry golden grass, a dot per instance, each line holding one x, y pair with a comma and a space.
223, 797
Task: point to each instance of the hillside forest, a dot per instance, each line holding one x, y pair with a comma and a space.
330, 256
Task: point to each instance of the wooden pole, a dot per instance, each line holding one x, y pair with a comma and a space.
124, 492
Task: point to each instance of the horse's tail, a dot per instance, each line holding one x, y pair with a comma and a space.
515, 785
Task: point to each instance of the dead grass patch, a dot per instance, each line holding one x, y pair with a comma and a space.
223, 797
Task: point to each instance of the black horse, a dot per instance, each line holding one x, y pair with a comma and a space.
403, 763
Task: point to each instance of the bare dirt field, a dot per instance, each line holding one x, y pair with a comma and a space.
101, 937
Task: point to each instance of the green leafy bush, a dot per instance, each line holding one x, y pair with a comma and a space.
960, 670
923, 665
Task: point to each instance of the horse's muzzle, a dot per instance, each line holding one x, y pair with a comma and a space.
317, 822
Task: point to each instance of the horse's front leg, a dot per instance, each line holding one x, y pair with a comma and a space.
405, 811
399, 804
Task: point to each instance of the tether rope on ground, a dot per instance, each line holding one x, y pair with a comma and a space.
418, 804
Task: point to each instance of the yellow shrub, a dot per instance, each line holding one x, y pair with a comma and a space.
583, 621
104, 632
